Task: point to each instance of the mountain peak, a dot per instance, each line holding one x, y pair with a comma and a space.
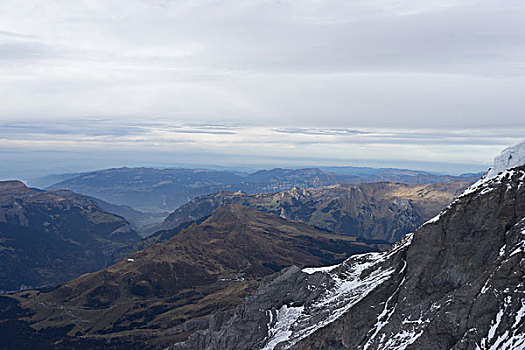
510, 157
13, 187
12, 184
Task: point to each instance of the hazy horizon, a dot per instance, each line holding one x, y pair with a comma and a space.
434, 85
31, 177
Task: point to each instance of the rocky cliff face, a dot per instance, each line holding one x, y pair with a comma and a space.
458, 282
383, 210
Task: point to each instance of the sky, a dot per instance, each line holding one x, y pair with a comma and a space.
431, 85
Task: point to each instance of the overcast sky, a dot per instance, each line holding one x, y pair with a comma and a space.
436, 85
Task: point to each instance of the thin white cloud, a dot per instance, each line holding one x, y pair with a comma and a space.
325, 79
330, 146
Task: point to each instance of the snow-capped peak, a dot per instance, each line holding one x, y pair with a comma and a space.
510, 157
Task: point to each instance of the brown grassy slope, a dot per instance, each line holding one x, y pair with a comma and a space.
161, 295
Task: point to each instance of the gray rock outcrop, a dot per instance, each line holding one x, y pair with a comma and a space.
458, 282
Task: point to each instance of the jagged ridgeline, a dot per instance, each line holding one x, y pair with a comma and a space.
456, 283
382, 210
161, 190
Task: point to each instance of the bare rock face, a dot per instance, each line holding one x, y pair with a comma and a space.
383, 210
458, 282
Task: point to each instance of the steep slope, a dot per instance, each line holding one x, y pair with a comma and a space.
458, 282
162, 190
50, 237
165, 292
383, 210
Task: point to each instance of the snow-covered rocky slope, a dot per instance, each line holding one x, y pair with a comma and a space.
510, 157
458, 282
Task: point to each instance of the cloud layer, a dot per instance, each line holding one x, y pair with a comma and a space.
442, 81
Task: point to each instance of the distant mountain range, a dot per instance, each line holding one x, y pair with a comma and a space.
206, 279
52, 236
163, 190
165, 292
381, 210
49, 237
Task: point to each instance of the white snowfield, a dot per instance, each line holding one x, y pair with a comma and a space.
509, 158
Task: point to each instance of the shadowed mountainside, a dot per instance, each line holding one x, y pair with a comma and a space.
168, 290
49, 237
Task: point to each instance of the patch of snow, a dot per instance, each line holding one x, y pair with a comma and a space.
487, 184
401, 340
434, 219
435, 306
502, 250
280, 331
494, 327
517, 250
347, 288
512, 338
381, 320
270, 316
519, 315
311, 270
496, 343
509, 158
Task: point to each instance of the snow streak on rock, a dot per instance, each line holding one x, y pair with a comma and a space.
348, 286
280, 329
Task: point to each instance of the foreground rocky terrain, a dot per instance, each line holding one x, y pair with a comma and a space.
382, 210
458, 282
49, 237
166, 292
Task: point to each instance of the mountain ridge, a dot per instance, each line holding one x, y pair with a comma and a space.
49, 237
381, 210
456, 283
162, 190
